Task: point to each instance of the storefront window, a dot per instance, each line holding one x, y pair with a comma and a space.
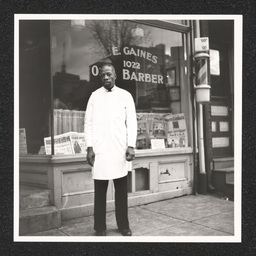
34, 85
151, 63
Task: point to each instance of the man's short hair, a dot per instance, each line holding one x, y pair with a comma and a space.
108, 65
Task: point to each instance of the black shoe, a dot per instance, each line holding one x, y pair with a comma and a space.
101, 233
126, 232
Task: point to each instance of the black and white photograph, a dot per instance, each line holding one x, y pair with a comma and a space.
86, 169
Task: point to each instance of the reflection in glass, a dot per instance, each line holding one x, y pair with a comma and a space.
145, 62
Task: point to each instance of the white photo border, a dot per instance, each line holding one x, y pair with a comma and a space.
238, 27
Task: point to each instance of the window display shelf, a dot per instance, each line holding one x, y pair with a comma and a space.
52, 159
82, 157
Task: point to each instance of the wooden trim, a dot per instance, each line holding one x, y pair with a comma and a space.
76, 170
165, 25
52, 159
174, 180
78, 193
162, 152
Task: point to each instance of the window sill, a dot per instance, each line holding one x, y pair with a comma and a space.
162, 152
139, 153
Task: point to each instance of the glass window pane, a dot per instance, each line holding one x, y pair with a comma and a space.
34, 84
150, 63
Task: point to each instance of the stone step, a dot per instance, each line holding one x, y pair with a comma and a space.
230, 183
228, 172
223, 181
219, 163
33, 197
39, 219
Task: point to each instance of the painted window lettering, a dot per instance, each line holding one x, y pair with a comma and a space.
131, 64
140, 53
142, 77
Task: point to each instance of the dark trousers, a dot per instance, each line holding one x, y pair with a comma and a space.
121, 203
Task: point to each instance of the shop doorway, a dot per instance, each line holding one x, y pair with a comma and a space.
221, 101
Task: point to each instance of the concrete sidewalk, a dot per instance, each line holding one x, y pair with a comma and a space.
200, 215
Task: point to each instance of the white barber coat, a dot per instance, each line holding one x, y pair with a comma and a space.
110, 126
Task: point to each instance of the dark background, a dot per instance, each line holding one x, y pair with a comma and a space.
8, 8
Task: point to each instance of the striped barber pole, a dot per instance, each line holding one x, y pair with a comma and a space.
201, 71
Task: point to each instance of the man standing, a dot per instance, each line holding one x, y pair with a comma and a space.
110, 132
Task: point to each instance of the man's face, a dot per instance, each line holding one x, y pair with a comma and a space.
108, 77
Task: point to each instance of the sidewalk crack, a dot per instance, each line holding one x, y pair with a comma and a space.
63, 232
198, 224
191, 221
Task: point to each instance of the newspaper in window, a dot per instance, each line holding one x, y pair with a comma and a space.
62, 145
66, 144
78, 142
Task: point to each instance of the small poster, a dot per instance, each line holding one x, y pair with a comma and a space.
142, 142
159, 129
177, 139
23, 141
177, 132
157, 143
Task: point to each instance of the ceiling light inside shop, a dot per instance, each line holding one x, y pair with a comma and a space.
78, 24
137, 32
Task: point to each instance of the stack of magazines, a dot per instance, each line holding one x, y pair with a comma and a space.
171, 128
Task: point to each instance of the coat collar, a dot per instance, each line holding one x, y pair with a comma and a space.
113, 89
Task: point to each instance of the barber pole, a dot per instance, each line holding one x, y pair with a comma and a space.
202, 71
202, 60
202, 77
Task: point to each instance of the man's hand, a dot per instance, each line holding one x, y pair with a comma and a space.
130, 154
90, 156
